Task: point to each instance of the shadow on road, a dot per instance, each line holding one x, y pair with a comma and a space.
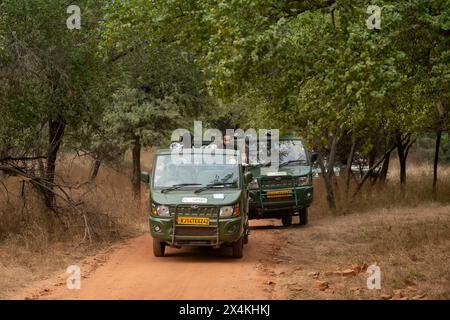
203, 254
223, 255
267, 227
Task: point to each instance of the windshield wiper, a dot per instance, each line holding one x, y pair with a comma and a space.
292, 161
217, 184
259, 165
178, 186
227, 177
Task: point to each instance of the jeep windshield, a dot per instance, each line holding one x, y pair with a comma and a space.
171, 174
291, 152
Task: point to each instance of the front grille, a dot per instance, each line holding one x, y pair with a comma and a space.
195, 242
279, 199
196, 231
195, 211
277, 182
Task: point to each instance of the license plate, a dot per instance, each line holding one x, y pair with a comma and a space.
279, 193
193, 221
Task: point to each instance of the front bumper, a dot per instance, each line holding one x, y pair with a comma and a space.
217, 233
261, 202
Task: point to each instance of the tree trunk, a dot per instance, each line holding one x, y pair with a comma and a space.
136, 178
327, 179
56, 132
328, 173
385, 168
372, 156
436, 161
441, 113
95, 168
403, 145
369, 172
348, 169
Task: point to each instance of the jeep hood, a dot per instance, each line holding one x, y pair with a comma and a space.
289, 170
188, 197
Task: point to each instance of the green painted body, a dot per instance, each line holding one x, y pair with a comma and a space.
221, 231
262, 206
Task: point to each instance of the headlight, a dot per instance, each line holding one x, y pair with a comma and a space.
229, 211
253, 184
303, 181
160, 210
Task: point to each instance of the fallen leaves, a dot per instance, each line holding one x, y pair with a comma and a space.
402, 294
351, 271
314, 275
348, 272
329, 290
356, 290
358, 268
322, 285
410, 292
398, 294
296, 288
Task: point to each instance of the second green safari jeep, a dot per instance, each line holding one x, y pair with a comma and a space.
287, 191
193, 203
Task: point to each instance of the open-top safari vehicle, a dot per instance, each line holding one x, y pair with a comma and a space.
194, 202
287, 191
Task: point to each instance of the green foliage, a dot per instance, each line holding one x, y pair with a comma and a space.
141, 68
47, 72
134, 114
162, 90
316, 67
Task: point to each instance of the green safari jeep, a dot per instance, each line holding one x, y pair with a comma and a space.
198, 203
286, 192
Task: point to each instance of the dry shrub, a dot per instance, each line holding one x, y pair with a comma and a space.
417, 191
406, 231
411, 246
24, 219
106, 202
36, 241
108, 199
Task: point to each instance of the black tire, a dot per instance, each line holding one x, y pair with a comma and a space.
159, 248
303, 215
286, 219
238, 248
246, 233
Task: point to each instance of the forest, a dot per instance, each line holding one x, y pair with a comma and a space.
112, 80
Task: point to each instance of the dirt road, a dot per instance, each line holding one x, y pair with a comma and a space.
325, 260
130, 271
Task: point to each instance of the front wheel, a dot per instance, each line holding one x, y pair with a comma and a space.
286, 219
159, 248
238, 248
246, 233
303, 215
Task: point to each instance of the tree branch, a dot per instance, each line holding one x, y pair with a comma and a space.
21, 158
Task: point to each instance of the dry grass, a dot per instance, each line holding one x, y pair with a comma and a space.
34, 241
109, 196
410, 245
405, 232
417, 191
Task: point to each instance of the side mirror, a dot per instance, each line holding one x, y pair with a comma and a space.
313, 157
248, 177
145, 177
